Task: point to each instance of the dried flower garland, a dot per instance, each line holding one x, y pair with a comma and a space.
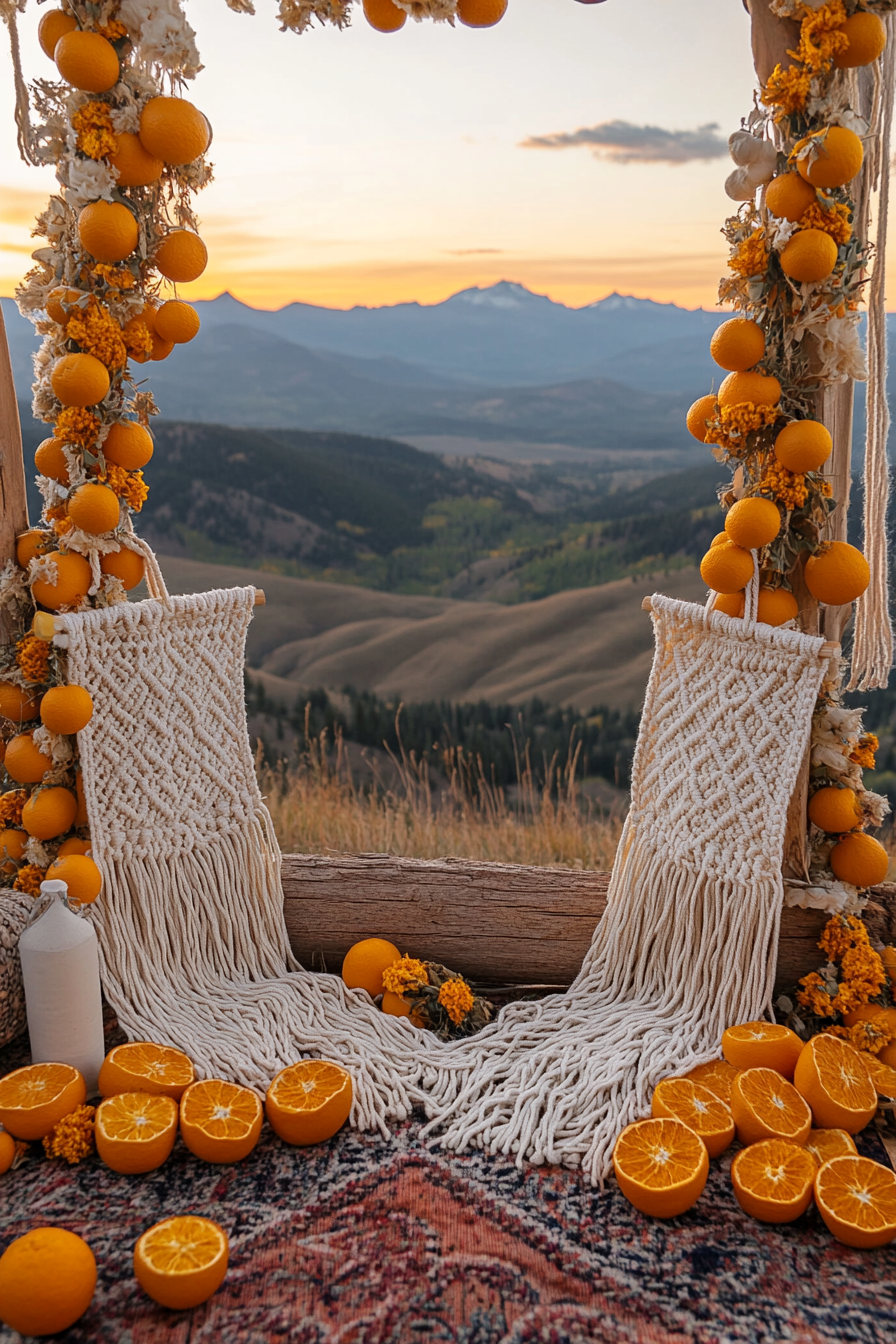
129, 153
796, 274
852, 977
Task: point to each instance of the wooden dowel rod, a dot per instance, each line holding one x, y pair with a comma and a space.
260, 598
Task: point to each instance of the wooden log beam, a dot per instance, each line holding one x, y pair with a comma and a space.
13, 500
494, 922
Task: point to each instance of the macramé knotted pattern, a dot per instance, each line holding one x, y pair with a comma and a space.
193, 944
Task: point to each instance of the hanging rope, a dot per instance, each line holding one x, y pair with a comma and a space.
24, 133
873, 643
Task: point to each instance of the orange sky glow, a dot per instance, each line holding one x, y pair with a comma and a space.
363, 168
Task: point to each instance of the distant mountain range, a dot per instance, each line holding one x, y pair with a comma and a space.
496, 365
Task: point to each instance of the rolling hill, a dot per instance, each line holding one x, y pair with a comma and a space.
581, 648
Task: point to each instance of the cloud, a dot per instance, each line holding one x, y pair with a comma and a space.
474, 252
624, 142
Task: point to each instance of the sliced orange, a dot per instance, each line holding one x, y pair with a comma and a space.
882, 1075
698, 1108
766, 1106
661, 1166
135, 1131
144, 1067
181, 1262
35, 1098
308, 1102
857, 1200
762, 1045
773, 1180
835, 1081
220, 1122
824, 1144
717, 1075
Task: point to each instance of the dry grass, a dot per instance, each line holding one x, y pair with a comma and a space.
319, 808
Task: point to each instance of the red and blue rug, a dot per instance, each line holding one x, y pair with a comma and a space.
366, 1241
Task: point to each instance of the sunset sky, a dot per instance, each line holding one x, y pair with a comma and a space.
362, 168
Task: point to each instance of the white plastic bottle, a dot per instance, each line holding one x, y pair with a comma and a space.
63, 1000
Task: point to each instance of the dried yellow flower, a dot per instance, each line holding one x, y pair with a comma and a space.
29, 878
128, 485
77, 426
93, 122
11, 805
833, 219
862, 753
406, 973
96, 331
456, 998
72, 1138
787, 487
750, 257
33, 657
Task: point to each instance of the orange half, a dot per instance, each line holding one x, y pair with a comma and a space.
135, 1131
181, 1262
766, 1106
141, 1066
220, 1121
824, 1144
773, 1180
762, 1045
698, 1108
308, 1102
35, 1098
835, 1081
661, 1166
882, 1075
717, 1075
857, 1200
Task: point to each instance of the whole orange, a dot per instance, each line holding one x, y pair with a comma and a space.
809, 257
776, 606
80, 874
838, 574
181, 256
29, 544
481, 13
54, 24
789, 196
702, 410
860, 860
839, 159
94, 508
17, 704
24, 762
128, 445
173, 130
49, 812
803, 445
108, 230
384, 16
87, 61
760, 388
47, 1281
867, 38
178, 322
133, 163
79, 380
73, 579
66, 709
126, 565
738, 344
50, 461
365, 962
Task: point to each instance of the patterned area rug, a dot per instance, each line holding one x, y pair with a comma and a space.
363, 1241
